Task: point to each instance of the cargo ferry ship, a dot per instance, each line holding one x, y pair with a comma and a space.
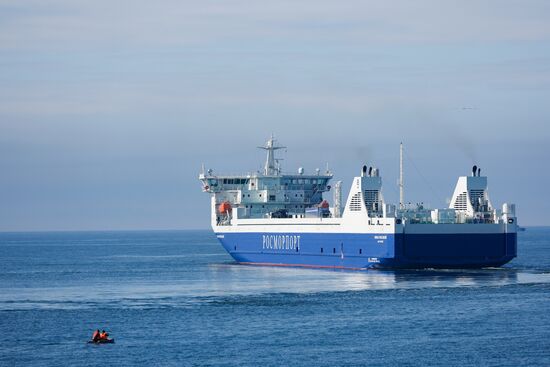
279, 219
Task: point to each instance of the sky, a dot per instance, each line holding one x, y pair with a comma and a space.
109, 108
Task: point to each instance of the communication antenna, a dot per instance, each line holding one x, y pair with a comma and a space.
270, 169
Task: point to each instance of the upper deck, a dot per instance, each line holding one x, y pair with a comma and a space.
259, 194
268, 196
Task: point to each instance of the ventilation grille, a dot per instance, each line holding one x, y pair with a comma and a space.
461, 202
355, 203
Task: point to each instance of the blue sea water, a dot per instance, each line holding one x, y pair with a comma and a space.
175, 298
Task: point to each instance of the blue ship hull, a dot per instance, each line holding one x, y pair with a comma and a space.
363, 251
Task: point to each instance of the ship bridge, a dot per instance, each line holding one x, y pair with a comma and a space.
267, 193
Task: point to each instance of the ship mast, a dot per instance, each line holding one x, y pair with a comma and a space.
270, 169
338, 199
401, 194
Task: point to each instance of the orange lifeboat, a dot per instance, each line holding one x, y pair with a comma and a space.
225, 207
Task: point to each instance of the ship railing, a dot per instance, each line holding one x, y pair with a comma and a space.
480, 221
467, 221
222, 220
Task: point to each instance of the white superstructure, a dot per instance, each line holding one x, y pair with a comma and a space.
270, 196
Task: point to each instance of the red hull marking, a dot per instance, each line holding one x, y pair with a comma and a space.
302, 266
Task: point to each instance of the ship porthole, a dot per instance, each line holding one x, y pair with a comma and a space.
511, 220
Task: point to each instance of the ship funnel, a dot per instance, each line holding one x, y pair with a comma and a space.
474, 169
364, 170
478, 172
370, 171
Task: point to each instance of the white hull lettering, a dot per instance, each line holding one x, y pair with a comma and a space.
280, 242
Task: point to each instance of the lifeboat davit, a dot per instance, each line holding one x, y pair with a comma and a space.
225, 207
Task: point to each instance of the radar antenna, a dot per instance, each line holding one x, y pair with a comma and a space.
270, 168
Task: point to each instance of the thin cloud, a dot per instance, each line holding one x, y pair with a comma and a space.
105, 24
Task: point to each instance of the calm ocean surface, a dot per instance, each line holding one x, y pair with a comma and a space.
177, 299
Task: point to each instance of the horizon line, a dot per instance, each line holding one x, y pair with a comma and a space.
157, 230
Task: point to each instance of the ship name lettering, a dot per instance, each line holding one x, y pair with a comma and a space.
380, 237
280, 242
